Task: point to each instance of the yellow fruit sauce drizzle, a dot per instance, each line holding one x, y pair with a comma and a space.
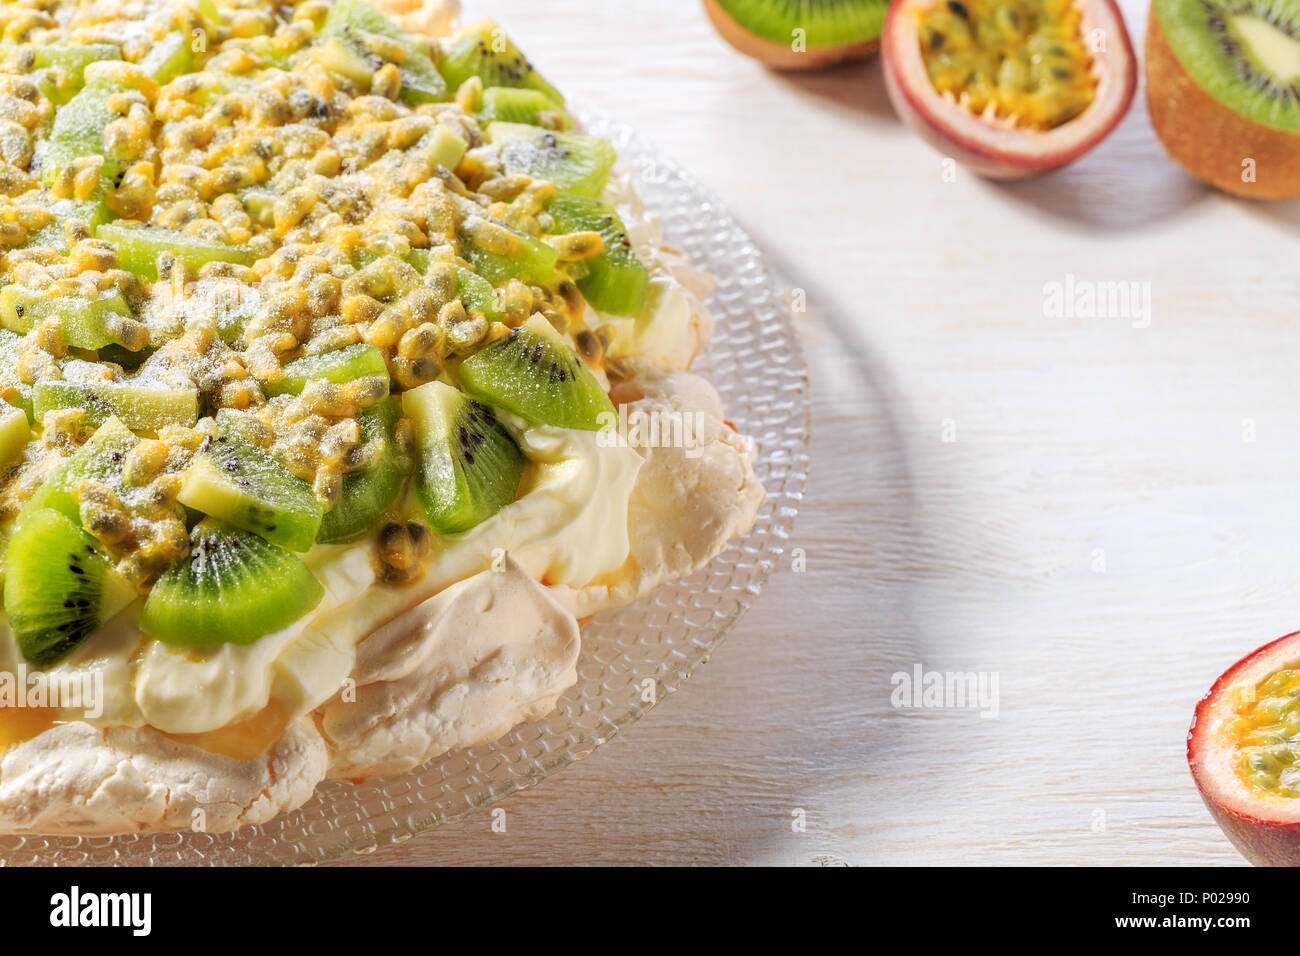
1024, 59
20, 724
1265, 732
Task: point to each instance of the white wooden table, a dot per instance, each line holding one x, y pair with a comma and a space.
1103, 516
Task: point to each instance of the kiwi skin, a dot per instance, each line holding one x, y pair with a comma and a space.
1208, 138
780, 56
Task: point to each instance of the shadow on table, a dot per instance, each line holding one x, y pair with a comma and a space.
1124, 184
856, 86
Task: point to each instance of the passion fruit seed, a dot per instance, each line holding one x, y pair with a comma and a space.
1266, 732
1023, 60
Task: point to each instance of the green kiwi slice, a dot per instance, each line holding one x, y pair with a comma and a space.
232, 588
142, 404
470, 467
15, 433
482, 49
100, 460
12, 388
1243, 53
58, 69
86, 323
573, 162
60, 587
349, 20
369, 492
535, 373
532, 260
615, 282
170, 57
505, 104
340, 366
138, 248
242, 485
93, 212
78, 130
823, 23
478, 295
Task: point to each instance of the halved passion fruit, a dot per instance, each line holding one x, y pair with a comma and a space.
1244, 751
1010, 88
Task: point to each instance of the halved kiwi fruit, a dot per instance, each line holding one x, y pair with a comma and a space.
60, 587
535, 373
1223, 87
242, 485
482, 49
800, 34
232, 588
470, 467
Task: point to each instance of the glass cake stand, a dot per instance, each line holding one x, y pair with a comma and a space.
756, 364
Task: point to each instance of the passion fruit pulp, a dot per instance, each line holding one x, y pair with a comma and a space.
1010, 88
1244, 752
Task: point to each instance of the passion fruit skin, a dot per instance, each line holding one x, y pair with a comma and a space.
779, 56
998, 156
1210, 139
1262, 841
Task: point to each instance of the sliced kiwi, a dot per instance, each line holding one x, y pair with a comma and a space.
616, 282
138, 248
86, 323
535, 373
817, 24
482, 49
58, 70
170, 57
530, 259
349, 21
470, 467
99, 459
505, 104
12, 388
92, 212
232, 588
15, 433
142, 404
477, 295
447, 146
573, 162
78, 131
343, 365
370, 492
60, 587
242, 485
